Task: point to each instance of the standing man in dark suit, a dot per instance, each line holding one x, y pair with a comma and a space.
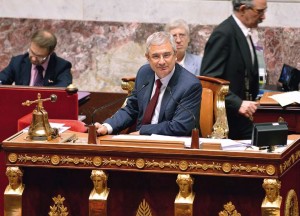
40, 66
229, 54
179, 95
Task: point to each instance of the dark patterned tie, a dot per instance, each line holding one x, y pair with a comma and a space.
39, 81
152, 104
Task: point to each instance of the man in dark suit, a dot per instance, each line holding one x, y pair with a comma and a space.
179, 95
40, 66
229, 54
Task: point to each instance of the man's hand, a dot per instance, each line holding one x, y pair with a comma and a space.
135, 133
101, 129
248, 108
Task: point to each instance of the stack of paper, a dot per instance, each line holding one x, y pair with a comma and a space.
287, 98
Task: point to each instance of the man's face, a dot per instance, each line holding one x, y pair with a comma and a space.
184, 188
37, 55
271, 192
256, 14
162, 59
98, 184
13, 179
181, 38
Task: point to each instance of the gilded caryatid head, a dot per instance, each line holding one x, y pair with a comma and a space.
185, 183
14, 175
271, 187
99, 179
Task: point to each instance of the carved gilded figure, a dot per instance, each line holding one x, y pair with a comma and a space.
14, 175
272, 201
100, 190
185, 198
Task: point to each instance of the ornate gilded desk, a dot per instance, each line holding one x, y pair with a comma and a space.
142, 179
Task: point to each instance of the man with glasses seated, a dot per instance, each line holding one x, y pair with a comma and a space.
40, 66
181, 33
230, 54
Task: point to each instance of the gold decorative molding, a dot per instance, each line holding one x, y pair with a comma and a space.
144, 209
291, 204
12, 157
248, 168
118, 162
289, 162
58, 208
34, 159
162, 164
142, 163
205, 166
229, 210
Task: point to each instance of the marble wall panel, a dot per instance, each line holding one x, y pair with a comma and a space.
103, 52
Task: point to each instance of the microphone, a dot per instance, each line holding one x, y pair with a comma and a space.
116, 101
195, 131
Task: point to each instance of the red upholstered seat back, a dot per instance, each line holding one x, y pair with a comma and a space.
11, 98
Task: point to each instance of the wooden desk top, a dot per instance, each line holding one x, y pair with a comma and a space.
80, 155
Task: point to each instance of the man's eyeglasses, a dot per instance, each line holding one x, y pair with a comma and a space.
181, 36
165, 56
38, 57
259, 11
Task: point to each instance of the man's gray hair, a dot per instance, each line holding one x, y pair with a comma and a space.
180, 23
158, 38
237, 3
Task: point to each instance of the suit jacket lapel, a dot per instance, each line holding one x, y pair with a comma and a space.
243, 45
50, 70
148, 91
26, 71
167, 97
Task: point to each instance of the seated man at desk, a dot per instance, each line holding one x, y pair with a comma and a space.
175, 95
40, 66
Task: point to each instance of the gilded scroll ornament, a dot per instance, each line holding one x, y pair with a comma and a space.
205, 166
291, 204
183, 165
162, 164
270, 170
144, 209
289, 162
76, 160
97, 161
118, 162
34, 159
140, 163
226, 167
58, 208
55, 159
12, 157
229, 210
272, 201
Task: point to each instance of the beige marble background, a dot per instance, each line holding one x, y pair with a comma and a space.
104, 40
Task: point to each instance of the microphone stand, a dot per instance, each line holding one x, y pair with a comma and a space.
195, 139
195, 131
92, 135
